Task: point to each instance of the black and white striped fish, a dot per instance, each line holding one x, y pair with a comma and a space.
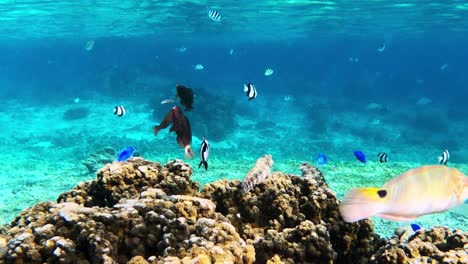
204, 153
383, 157
119, 111
444, 158
214, 15
250, 91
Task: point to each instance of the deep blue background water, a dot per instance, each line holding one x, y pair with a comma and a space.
51, 70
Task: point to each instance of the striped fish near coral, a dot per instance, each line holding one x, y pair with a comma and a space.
257, 174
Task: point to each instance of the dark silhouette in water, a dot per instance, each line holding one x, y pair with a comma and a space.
75, 113
186, 96
181, 125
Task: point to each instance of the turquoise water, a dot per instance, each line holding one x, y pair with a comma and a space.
370, 75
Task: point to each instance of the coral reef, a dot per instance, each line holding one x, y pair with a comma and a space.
142, 212
294, 219
437, 245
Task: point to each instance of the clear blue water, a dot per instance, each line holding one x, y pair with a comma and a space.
408, 100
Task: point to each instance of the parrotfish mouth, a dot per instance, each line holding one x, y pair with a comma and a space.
188, 152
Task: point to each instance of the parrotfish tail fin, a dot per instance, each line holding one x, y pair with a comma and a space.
360, 203
188, 152
156, 130
205, 164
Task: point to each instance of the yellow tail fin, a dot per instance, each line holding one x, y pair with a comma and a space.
360, 203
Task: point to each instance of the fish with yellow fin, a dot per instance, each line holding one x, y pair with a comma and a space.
419, 191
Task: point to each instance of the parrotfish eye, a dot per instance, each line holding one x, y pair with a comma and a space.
382, 193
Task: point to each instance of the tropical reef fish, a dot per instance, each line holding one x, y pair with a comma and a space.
321, 159
180, 125
231, 51
257, 174
444, 158
89, 45
198, 67
360, 156
289, 98
126, 153
250, 91
186, 96
443, 67
214, 15
204, 153
415, 227
419, 191
381, 48
269, 72
181, 49
119, 111
167, 101
383, 157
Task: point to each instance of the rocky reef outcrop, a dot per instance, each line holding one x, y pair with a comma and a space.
142, 212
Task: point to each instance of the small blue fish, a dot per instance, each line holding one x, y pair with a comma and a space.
321, 159
126, 153
415, 227
360, 156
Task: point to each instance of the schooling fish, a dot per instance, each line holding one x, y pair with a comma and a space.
360, 156
444, 158
321, 159
186, 96
420, 191
180, 125
126, 153
250, 91
269, 72
119, 111
204, 153
214, 15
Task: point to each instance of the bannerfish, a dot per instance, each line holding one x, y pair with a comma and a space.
321, 159
415, 227
444, 158
268, 72
126, 153
167, 101
250, 91
443, 67
180, 125
204, 153
419, 191
360, 156
186, 96
383, 157
214, 15
198, 67
231, 51
119, 111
